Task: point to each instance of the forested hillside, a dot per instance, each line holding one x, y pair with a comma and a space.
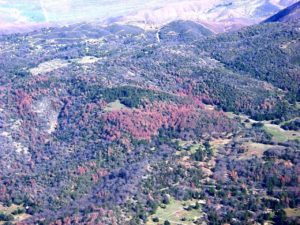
117, 125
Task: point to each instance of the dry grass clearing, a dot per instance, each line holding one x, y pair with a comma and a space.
10, 210
114, 106
189, 147
217, 143
48, 66
176, 213
87, 60
254, 149
279, 134
292, 212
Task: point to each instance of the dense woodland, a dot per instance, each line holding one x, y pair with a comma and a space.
106, 125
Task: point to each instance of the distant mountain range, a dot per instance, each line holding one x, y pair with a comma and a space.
289, 14
217, 15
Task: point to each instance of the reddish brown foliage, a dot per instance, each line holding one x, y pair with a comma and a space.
3, 192
233, 174
145, 122
24, 100
81, 170
100, 173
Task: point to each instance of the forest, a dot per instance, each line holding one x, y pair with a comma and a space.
106, 125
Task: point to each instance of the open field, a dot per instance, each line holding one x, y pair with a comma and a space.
187, 146
48, 66
87, 60
217, 143
114, 106
278, 134
175, 212
292, 212
255, 149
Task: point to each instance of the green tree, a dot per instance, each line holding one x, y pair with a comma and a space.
167, 222
280, 217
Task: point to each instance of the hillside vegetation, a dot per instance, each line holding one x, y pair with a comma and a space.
114, 125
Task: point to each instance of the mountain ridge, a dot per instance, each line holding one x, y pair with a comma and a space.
217, 15
289, 14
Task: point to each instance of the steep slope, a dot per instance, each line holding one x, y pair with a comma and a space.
289, 14
239, 52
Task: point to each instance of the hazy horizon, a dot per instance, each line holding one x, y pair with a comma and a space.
45, 11
23, 15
